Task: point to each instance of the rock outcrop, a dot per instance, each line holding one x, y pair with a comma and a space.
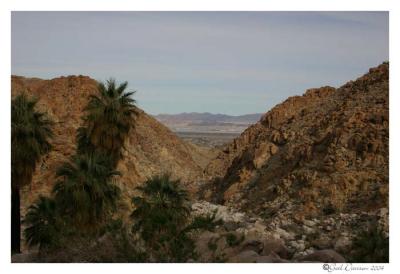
320, 153
313, 170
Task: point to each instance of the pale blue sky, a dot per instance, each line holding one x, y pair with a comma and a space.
219, 62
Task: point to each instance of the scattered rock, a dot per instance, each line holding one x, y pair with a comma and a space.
308, 230
309, 223
284, 234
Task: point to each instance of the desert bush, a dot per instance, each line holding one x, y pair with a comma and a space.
207, 222
116, 247
370, 246
233, 240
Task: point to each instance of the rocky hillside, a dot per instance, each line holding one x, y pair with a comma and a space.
318, 154
150, 149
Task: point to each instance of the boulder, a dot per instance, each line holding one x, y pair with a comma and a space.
203, 244
284, 234
309, 223
231, 226
322, 243
252, 244
343, 244
24, 257
324, 256
308, 230
248, 256
273, 258
275, 246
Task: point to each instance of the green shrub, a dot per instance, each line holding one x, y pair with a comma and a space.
207, 222
232, 240
212, 245
370, 246
329, 209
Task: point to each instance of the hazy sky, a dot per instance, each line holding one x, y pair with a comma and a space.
219, 62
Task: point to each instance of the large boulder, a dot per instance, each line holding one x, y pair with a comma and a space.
273, 258
323, 256
247, 256
253, 244
343, 244
275, 246
250, 256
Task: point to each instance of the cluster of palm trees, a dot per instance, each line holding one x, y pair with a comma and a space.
85, 192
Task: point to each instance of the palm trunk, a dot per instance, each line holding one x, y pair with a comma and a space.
15, 221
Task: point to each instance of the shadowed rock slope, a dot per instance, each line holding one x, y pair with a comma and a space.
323, 152
150, 149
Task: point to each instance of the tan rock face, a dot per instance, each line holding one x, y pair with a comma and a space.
326, 151
150, 149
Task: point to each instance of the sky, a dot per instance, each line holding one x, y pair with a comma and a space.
220, 62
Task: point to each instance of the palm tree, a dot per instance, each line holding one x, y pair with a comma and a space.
160, 215
110, 116
41, 221
30, 134
85, 192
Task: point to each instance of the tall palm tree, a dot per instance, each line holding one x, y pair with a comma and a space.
161, 214
30, 134
110, 116
85, 191
41, 220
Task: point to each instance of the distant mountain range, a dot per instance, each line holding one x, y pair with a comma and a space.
208, 122
206, 117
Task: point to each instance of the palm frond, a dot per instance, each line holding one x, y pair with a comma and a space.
41, 223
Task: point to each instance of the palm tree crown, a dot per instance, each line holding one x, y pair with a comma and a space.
30, 134
110, 116
163, 207
41, 221
85, 192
